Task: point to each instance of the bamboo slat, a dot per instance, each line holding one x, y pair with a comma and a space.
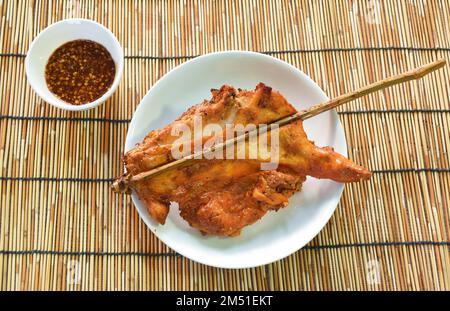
61, 228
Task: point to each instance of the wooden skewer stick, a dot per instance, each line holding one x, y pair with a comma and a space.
122, 184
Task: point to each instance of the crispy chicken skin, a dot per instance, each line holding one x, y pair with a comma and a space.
224, 207
220, 197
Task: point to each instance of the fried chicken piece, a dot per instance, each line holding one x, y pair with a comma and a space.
224, 207
220, 197
227, 106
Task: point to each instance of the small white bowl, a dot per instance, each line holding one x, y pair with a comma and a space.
56, 35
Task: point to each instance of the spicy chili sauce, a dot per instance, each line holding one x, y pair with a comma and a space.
80, 71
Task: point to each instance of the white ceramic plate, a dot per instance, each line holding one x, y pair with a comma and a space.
278, 234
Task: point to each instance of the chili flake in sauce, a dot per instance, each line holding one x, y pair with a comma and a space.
80, 71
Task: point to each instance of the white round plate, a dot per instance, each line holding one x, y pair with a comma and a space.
278, 234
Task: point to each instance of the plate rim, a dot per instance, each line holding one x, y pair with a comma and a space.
326, 218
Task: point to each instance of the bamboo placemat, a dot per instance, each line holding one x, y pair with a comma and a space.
62, 228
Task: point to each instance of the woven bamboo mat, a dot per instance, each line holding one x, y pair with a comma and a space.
62, 228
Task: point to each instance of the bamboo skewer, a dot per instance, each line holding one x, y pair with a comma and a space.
122, 185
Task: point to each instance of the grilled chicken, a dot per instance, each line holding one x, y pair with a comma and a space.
220, 197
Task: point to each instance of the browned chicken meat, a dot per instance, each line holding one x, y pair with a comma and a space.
218, 196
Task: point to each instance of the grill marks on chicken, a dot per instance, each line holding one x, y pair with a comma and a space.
220, 197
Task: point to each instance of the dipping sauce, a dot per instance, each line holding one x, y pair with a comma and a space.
80, 71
